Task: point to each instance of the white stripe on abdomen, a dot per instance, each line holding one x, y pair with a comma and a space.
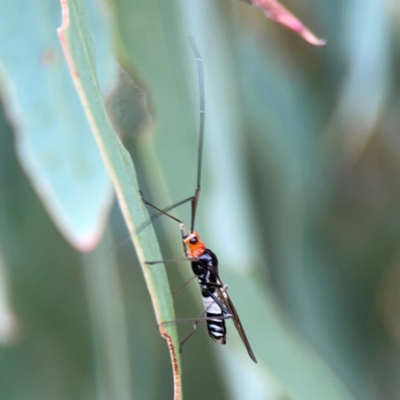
211, 306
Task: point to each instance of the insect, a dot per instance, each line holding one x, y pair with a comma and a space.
217, 304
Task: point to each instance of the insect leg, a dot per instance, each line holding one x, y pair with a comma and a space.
171, 260
177, 290
147, 203
198, 322
157, 215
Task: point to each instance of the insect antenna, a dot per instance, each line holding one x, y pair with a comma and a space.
193, 199
200, 73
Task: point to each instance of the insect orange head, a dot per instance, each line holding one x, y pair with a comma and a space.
195, 246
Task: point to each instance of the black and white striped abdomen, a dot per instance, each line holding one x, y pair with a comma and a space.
215, 323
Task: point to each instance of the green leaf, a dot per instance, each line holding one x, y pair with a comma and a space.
77, 43
54, 142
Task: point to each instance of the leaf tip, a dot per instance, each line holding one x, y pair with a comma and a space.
312, 39
276, 12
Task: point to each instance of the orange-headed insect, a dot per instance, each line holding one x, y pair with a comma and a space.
217, 304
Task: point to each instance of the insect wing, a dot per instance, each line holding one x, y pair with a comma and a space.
235, 317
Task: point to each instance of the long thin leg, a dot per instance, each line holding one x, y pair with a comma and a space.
178, 289
185, 339
199, 318
171, 260
147, 203
184, 320
157, 215
181, 224
153, 218
197, 326
198, 322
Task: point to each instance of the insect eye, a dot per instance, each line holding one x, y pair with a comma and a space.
193, 240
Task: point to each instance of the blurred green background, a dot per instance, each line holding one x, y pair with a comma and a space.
300, 200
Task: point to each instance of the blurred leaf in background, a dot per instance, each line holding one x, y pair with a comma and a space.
300, 200
54, 142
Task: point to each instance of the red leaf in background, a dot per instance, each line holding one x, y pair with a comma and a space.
275, 11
